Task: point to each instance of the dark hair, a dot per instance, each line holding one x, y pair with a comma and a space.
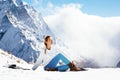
46, 39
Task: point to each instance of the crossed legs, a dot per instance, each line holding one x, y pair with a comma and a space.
53, 63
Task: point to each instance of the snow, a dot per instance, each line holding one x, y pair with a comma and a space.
40, 74
7, 58
17, 2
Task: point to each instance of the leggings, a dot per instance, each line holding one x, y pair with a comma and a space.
53, 63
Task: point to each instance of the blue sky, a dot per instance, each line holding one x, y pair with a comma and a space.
106, 8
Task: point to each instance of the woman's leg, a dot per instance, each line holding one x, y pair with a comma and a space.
55, 60
63, 68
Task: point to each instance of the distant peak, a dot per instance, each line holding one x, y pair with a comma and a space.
16, 2
19, 2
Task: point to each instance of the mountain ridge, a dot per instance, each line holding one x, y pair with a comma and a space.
22, 29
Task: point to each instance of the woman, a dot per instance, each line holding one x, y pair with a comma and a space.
51, 58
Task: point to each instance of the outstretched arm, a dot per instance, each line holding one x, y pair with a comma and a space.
39, 61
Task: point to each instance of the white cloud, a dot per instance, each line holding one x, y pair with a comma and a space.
88, 35
51, 9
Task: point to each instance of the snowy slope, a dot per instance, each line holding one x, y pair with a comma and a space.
40, 74
22, 29
7, 58
92, 74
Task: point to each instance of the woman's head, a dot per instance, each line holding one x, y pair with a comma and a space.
48, 42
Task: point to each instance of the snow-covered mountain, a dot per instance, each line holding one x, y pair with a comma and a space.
22, 29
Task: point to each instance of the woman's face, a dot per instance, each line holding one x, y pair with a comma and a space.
49, 43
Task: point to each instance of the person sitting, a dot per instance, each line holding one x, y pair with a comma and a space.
52, 59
